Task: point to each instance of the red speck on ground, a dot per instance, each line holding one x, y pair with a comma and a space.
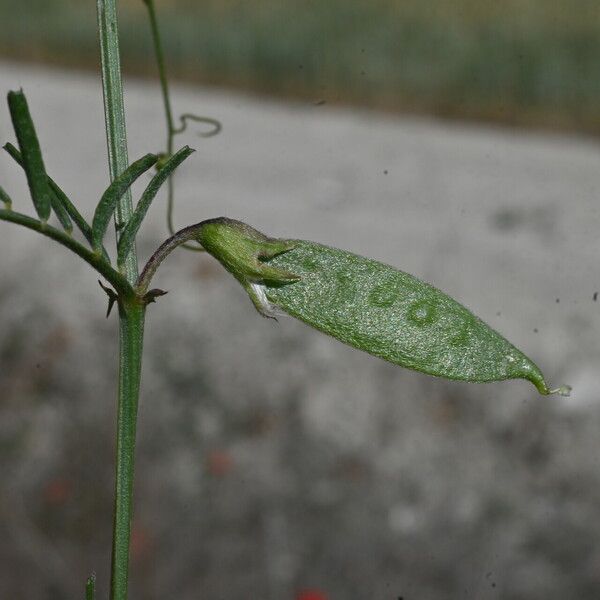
219, 463
311, 595
57, 491
141, 541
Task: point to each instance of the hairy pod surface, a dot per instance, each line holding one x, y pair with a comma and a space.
368, 305
393, 315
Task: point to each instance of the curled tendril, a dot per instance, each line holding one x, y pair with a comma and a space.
184, 118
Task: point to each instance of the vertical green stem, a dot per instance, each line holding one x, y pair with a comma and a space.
131, 314
131, 330
114, 115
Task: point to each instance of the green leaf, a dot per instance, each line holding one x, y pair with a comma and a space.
61, 213
5, 198
57, 204
90, 587
113, 194
366, 304
127, 238
64, 209
31, 152
62, 198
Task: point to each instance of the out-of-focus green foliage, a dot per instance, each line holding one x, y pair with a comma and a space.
525, 61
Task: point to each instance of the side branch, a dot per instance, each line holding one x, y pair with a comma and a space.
118, 281
178, 239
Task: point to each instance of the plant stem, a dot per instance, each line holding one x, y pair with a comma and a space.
131, 332
131, 313
114, 116
178, 239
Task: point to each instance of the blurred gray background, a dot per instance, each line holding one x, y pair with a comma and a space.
273, 462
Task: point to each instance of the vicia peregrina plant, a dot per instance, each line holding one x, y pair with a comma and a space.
361, 302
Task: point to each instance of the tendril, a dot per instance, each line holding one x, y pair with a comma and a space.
184, 118
172, 131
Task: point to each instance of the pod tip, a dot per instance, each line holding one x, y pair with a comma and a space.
563, 390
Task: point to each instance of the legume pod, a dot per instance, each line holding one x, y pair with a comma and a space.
368, 305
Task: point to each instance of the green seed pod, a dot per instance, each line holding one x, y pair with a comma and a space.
368, 305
